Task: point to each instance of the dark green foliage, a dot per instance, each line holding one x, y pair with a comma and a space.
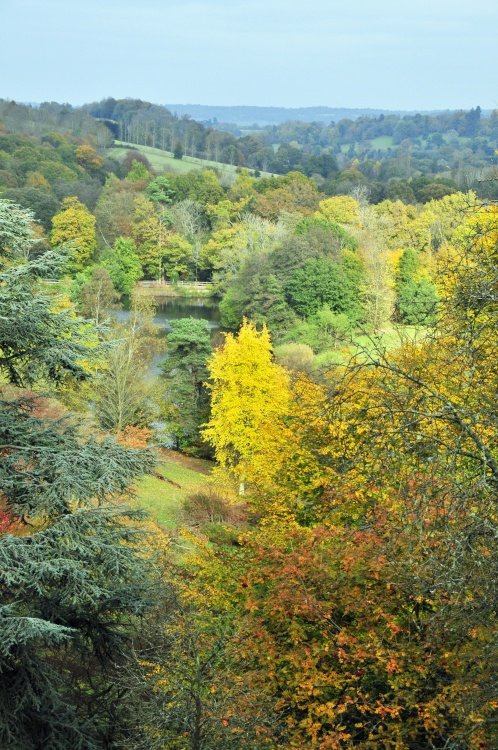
416, 296
43, 204
74, 582
185, 373
231, 308
71, 588
315, 239
258, 295
178, 150
35, 342
323, 281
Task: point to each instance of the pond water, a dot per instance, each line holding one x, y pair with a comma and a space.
175, 308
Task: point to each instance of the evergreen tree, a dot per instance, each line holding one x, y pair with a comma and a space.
74, 580
185, 372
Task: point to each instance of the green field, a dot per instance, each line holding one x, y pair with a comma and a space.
164, 161
163, 499
388, 340
383, 142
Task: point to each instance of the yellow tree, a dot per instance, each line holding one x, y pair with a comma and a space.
341, 208
250, 399
74, 226
88, 158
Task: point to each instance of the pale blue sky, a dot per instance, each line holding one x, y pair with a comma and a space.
416, 54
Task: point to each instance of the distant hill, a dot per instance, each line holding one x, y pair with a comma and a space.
245, 116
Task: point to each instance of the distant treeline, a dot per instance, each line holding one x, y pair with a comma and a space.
414, 158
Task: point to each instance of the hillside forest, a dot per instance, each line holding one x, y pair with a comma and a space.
272, 532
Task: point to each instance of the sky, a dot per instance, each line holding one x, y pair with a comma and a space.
388, 54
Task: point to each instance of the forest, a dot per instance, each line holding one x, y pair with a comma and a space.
276, 531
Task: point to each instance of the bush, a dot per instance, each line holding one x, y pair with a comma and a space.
221, 535
212, 507
297, 357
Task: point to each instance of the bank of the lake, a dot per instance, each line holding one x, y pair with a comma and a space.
185, 289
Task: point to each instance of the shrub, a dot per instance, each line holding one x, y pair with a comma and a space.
211, 506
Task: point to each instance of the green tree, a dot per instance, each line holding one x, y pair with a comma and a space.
177, 256
185, 373
327, 282
123, 264
138, 172
16, 235
73, 578
178, 150
416, 297
161, 190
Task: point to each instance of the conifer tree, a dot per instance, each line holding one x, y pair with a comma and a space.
74, 581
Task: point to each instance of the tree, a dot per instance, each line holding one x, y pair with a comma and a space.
325, 282
138, 172
161, 251
416, 299
177, 256
74, 580
16, 236
38, 341
149, 232
88, 158
98, 296
161, 190
250, 397
341, 208
123, 265
74, 226
114, 210
372, 620
178, 150
185, 373
123, 396
41, 202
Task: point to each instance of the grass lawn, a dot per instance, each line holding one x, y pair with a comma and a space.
163, 499
162, 161
383, 142
389, 339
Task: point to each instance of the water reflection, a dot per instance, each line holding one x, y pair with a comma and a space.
176, 308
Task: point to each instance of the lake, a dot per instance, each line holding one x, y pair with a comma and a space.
175, 308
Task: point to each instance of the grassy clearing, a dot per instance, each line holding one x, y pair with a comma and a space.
164, 161
383, 142
161, 161
163, 499
388, 340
